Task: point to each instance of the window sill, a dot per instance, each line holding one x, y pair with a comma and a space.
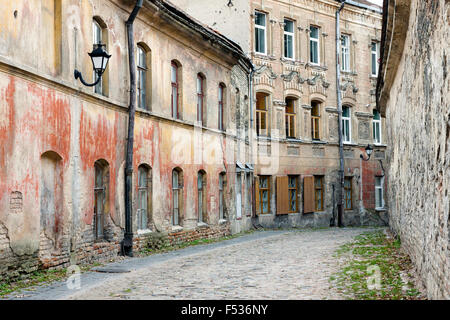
223, 221
319, 141
380, 209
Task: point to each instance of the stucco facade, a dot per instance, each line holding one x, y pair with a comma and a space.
278, 78
413, 93
310, 88
62, 151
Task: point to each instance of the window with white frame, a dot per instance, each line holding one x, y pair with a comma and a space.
314, 48
376, 127
345, 53
374, 54
346, 124
379, 200
260, 32
289, 39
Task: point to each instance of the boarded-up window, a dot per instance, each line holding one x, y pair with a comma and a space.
100, 195
50, 192
308, 194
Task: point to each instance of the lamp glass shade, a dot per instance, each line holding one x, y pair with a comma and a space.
369, 150
98, 63
99, 58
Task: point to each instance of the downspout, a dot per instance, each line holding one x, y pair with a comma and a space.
127, 243
250, 131
339, 107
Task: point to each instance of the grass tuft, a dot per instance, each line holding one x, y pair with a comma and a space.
370, 254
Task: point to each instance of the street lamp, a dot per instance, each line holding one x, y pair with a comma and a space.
369, 150
100, 60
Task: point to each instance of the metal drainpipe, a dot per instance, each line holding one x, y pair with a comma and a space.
250, 131
339, 106
127, 243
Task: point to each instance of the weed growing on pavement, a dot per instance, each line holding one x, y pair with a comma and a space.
370, 251
38, 277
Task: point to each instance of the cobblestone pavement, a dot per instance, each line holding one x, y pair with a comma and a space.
284, 265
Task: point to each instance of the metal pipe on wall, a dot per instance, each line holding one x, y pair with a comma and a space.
339, 107
127, 243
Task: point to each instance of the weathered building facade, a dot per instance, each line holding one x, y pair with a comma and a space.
62, 144
296, 115
413, 94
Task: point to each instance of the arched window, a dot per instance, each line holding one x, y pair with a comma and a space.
175, 80
315, 120
100, 197
290, 117
201, 112
222, 184
221, 115
143, 86
177, 186
100, 37
346, 124
261, 113
144, 197
201, 196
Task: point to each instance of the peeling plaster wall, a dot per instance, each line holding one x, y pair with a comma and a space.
44, 110
418, 118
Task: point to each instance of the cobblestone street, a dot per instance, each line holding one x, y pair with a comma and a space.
282, 265
294, 264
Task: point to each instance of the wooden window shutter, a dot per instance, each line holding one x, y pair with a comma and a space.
308, 194
283, 195
257, 201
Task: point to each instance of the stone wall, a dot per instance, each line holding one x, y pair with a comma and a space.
416, 102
